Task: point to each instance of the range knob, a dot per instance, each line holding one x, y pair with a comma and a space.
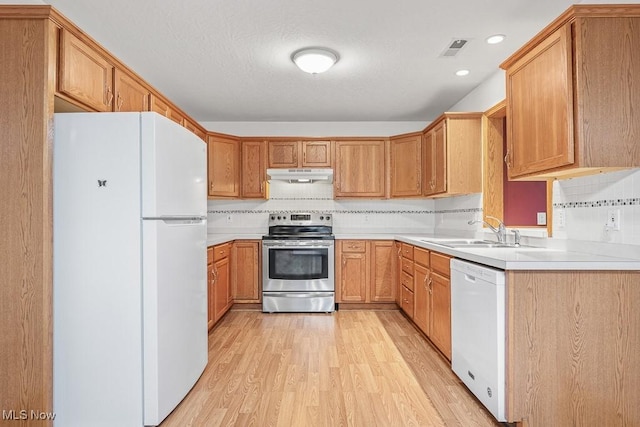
321, 218
327, 218
272, 217
279, 217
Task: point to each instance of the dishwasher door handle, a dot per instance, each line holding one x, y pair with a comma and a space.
469, 278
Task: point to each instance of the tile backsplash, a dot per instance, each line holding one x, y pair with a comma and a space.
581, 207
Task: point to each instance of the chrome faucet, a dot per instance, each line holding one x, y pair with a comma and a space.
500, 231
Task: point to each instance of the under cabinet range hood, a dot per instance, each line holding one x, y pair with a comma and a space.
301, 175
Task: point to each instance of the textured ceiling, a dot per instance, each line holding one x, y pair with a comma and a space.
230, 60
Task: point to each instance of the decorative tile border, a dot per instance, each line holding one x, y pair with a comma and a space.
301, 198
598, 203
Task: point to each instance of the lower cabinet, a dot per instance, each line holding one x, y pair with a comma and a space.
219, 289
424, 281
246, 275
365, 271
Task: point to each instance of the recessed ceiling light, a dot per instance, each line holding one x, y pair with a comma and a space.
496, 38
314, 60
462, 73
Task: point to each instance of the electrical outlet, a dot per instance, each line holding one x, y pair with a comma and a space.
542, 218
560, 218
229, 219
613, 219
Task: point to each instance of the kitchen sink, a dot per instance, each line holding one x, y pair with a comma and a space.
471, 243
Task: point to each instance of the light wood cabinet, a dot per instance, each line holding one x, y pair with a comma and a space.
165, 108
299, 154
130, 94
407, 288
572, 95
211, 280
440, 285
254, 169
84, 75
188, 124
223, 166
221, 280
353, 270
383, 265
365, 271
422, 294
246, 271
398, 272
406, 165
452, 155
360, 169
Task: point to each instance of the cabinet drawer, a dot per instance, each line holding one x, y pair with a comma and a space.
421, 256
441, 263
221, 251
407, 251
407, 266
406, 280
407, 301
354, 246
209, 255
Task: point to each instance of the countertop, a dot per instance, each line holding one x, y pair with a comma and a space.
524, 258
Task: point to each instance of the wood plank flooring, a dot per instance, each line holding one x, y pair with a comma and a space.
349, 368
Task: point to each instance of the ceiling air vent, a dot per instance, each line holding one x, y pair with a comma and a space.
454, 48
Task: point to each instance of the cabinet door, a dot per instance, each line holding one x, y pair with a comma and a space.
354, 277
223, 166
246, 269
188, 124
408, 302
130, 94
163, 107
441, 313
84, 74
211, 282
398, 272
222, 287
435, 160
540, 107
406, 166
360, 169
284, 154
254, 169
422, 295
383, 284
316, 154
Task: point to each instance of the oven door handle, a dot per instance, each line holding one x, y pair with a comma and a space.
301, 245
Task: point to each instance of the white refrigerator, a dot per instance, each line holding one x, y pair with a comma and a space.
130, 268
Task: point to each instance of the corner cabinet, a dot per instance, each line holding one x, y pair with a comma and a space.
406, 165
452, 155
360, 169
223, 166
254, 169
572, 95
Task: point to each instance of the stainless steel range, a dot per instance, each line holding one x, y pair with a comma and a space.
298, 263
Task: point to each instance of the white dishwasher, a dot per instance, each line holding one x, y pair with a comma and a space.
478, 332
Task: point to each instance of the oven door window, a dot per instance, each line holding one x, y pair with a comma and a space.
298, 264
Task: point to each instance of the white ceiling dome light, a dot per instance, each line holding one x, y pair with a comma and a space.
314, 60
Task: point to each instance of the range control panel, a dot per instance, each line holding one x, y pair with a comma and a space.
315, 218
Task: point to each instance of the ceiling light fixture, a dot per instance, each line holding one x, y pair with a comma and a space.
496, 38
314, 60
462, 73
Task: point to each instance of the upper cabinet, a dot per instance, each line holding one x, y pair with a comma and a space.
85, 75
406, 165
254, 169
299, 154
130, 94
360, 169
572, 94
195, 129
223, 166
163, 107
452, 155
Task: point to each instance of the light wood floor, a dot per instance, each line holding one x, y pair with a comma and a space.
349, 368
